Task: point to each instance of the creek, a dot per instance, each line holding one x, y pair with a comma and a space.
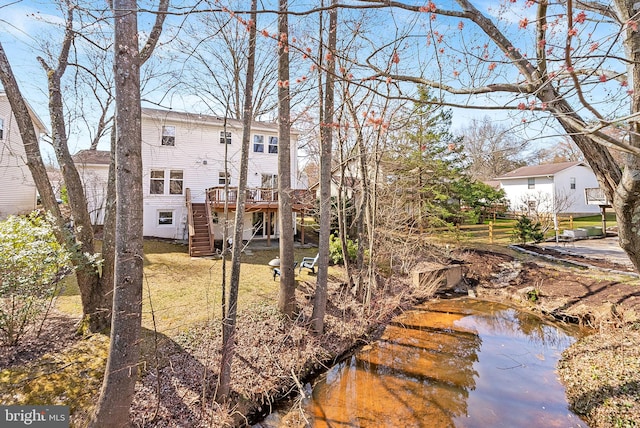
448, 363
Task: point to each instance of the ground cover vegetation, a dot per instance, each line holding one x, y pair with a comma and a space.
376, 122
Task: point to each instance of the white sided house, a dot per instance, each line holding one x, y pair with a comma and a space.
551, 188
184, 179
93, 167
18, 193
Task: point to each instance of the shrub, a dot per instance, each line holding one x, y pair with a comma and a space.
335, 249
525, 230
31, 265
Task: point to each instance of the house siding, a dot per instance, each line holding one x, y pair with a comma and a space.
198, 153
18, 190
94, 179
552, 193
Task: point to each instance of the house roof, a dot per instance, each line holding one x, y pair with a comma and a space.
34, 117
205, 119
92, 157
539, 170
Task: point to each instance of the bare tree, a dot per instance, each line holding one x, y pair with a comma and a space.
492, 149
547, 67
30, 140
229, 320
287, 295
326, 137
563, 151
215, 48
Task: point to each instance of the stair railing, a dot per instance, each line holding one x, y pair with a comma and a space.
207, 207
192, 230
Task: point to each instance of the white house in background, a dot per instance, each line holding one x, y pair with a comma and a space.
183, 158
93, 167
18, 194
552, 188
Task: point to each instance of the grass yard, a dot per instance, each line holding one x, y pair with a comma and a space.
180, 291
503, 229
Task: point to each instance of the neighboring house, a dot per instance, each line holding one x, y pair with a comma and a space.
93, 167
551, 188
18, 194
183, 158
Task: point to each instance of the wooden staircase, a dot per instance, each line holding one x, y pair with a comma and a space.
200, 243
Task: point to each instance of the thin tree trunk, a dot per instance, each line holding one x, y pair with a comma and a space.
121, 374
229, 321
29, 140
104, 295
326, 142
287, 296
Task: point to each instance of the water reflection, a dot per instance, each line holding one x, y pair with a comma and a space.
453, 363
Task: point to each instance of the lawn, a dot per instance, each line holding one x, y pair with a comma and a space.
503, 229
180, 291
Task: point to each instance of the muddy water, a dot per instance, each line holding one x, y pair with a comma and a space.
452, 363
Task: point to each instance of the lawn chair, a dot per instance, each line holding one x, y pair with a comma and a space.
309, 263
276, 271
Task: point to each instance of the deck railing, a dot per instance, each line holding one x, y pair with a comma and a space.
258, 195
596, 196
209, 214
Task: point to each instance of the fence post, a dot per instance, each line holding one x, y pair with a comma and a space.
490, 232
571, 222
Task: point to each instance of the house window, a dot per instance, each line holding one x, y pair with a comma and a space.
531, 183
175, 182
168, 135
1, 129
225, 136
163, 182
165, 218
269, 181
223, 178
156, 186
572, 183
258, 143
273, 144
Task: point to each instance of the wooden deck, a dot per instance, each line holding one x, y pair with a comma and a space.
259, 199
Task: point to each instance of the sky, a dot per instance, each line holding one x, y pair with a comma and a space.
26, 27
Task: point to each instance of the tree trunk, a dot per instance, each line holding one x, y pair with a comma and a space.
30, 141
287, 296
229, 321
121, 373
326, 141
104, 292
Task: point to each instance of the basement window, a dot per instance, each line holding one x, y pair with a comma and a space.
165, 218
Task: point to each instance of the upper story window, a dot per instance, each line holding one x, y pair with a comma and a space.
273, 144
163, 182
168, 135
225, 137
258, 143
572, 183
531, 182
1, 129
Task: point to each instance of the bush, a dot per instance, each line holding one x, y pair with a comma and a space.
525, 230
31, 265
335, 249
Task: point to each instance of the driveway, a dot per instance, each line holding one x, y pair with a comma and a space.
606, 248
